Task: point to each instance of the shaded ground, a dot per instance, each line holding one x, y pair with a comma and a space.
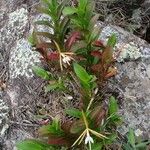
132, 15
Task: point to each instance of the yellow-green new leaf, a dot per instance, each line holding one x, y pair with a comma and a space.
74, 112
32, 145
112, 41
81, 73
113, 106
131, 137
41, 73
33, 40
69, 10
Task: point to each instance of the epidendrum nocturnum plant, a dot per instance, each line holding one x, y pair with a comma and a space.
74, 47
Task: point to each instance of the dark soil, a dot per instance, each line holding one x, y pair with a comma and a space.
122, 15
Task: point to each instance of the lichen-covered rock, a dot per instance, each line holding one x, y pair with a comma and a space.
17, 23
4, 113
22, 59
14, 29
128, 47
133, 80
128, 51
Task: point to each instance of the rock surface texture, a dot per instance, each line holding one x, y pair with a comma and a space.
23, 89
133, 79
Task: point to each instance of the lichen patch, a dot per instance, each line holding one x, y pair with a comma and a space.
22, 59
128, 51
4, 111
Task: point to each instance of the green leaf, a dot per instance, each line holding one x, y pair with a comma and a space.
52, 129
114, 119
44, 22
61, 7
33, 39
83, 4
113, 106
97, 146
47, 2
93, 21
46, 34
56, 85
142, 145
41, 73
131, 137
94, 35
51, 87
63, 27
126, 146
69, 10
111, 138
81, 73
74, 112
32, 145
45, 130
112, 41
79, 46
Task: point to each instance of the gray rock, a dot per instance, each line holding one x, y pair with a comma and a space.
4, 113
133, 79
22, 59
14, 26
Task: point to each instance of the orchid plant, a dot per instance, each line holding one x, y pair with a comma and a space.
74, 48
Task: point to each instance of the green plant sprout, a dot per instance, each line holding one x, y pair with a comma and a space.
134, 143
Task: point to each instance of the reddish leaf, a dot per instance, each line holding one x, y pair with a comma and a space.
61, 141
52, 56
98, 115
42, 51
97, 67
107, 55
72, 39
42, 59
45, 45
96, 54
98, 43
77, 127
66, 126
111, 72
